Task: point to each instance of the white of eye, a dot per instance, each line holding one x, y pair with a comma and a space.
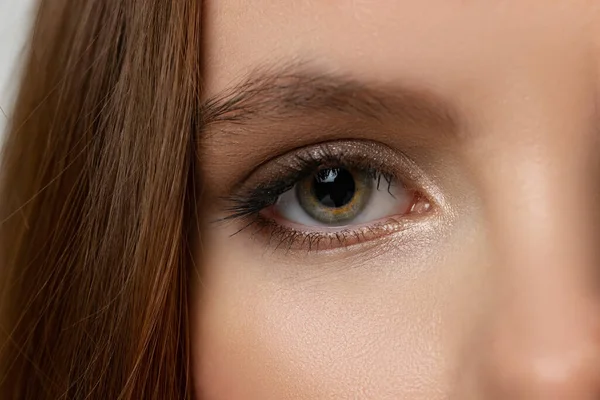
385, 200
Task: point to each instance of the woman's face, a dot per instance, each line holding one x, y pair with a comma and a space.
410, 196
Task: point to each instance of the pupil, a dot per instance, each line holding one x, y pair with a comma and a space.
334, 187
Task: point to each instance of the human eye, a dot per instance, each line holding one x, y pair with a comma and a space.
331, 195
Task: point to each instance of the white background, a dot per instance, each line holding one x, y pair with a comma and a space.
15, 23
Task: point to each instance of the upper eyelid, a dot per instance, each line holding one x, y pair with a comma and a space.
356, 153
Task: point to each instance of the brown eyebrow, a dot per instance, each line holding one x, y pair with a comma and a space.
275, 94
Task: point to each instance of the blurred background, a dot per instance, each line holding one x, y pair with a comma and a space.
16, 17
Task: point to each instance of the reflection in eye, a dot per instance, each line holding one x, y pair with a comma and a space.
340, 196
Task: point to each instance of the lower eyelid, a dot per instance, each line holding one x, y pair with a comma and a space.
290, 237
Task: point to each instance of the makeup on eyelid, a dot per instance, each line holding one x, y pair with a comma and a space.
277, 110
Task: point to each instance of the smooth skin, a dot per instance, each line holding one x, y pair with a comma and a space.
495, 299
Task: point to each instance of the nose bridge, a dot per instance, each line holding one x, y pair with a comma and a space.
543, 331
543, 221
539, 145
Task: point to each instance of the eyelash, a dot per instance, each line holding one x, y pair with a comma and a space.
247, 205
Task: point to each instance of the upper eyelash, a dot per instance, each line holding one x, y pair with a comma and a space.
256, 199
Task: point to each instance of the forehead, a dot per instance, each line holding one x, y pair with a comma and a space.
389, 39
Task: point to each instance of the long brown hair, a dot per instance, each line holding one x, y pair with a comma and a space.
97, 201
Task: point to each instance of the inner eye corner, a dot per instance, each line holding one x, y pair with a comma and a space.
421, 203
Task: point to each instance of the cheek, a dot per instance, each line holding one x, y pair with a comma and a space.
372, 330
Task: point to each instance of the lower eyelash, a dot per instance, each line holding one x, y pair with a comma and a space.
282, 237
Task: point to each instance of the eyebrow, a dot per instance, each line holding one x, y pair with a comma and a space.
273, 94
